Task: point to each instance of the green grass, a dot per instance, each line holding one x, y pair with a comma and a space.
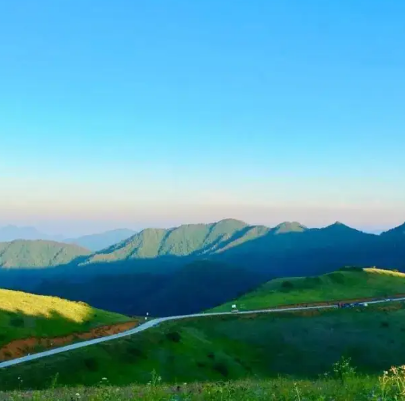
24, 315
356, 388
339, 285
230, 348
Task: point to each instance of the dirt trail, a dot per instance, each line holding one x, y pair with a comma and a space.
23, 347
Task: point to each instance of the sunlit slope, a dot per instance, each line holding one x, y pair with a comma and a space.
25, 315
301, 344
339, 285
36, 254
186, 240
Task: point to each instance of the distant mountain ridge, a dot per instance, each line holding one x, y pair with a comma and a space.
38, 253
169, 270
10, 233
207, 239
94, 242
97, 242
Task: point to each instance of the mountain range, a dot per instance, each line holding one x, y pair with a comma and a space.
93, 242
187, 268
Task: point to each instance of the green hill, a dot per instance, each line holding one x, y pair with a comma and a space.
24, 315
301, 345
339, 285
181, 241
38, 253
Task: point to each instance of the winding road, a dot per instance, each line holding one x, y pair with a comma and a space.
157, 321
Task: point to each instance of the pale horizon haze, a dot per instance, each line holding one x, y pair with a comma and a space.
154, 114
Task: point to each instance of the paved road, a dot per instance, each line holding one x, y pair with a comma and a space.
155, 322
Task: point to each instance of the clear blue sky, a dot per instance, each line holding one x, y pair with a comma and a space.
135, 113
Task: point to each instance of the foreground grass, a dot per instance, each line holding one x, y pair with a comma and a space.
388, 387
339, 285
299, 345
24, 315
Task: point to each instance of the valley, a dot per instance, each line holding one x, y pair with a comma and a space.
202, 269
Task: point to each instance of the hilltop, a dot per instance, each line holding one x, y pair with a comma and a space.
186, 240
279, 251
345, 284
38, 253
26, 318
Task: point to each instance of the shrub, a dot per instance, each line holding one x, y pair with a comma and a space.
17, 321
91, 364
342, 369
287, 285
174, 336
221, 368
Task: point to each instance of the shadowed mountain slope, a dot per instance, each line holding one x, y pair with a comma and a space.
197, 286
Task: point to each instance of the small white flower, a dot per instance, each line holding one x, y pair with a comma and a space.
77, 395
104, 378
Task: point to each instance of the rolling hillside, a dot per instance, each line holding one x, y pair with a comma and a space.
339, 285
149, 264
302, 345
39, 253
26, 317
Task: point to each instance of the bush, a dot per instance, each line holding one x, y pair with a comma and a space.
221, 368
17, 321
342, 369
287, 285
174, 336
91, 364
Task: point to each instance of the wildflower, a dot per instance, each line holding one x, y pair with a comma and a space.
77, 395
104, 378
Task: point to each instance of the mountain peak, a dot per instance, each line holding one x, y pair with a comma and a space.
288, 227
339, 225
230, 221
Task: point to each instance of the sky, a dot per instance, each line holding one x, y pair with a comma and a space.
158, 113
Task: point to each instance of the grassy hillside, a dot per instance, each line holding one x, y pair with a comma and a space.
25, 315
339, 285
34, 254
302, 345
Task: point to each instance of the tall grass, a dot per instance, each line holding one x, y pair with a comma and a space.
390, 386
